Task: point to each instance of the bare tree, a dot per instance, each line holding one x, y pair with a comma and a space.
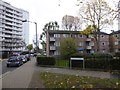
97, 13
48, 26
77, 25
70, 23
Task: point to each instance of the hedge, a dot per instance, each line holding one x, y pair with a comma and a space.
45, 60
97, 61
113, 64
98, 64
106, 63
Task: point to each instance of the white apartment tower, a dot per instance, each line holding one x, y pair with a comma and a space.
25, 32
11, 29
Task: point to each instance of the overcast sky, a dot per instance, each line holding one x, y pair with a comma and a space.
43, 11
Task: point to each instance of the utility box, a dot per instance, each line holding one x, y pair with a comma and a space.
77, 60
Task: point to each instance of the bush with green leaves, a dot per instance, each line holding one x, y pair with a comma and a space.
97, 61
115, 64
41, 60
117, 54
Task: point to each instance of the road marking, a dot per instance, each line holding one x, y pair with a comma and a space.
0, 60
3, 75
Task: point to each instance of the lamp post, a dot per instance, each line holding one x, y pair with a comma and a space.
36, 32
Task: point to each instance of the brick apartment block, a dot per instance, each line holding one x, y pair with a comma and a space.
86, 44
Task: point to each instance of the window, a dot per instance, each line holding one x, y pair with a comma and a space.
118, 42
75, 36
65, 35
119, 50
57, 44
103, 43
81, 36
57, 35
92, 43
80, 43
116, 50
116, 35
102, 36
57, 53
103, 50
115, 43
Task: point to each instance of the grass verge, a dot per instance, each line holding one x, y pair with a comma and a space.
54, 80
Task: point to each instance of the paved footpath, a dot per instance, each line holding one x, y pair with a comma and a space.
19, 78
98, 74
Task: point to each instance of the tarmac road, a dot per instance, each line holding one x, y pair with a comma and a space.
5, 69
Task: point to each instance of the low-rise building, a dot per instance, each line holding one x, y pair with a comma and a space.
85, 43
115, 41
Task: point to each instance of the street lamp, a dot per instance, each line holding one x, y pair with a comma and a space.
36, 31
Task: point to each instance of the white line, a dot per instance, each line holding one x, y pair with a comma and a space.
3, 75
0, 60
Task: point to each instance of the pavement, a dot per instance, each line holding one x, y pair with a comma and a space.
27, 76
1, 59
20, 77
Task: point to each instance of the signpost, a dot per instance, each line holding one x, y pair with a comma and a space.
79, 59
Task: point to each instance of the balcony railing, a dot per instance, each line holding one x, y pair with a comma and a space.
88, 47
88, 39
52, 39
52, 48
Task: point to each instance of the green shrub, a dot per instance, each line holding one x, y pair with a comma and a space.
93, 61
45, 60
98, 64
111, 64
117, 54
102, 55
115, 64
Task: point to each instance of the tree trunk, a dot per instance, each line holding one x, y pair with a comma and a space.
97, 39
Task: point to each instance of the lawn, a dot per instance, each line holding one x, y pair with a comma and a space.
54, 80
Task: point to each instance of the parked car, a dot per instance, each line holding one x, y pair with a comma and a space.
27, 56
31, 55
23, 58
35, 54
15, 54
14, 61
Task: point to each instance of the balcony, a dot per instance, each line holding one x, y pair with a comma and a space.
8, 23
10, 15
88, 47
52, 39
8, 27
6, 40
88, 39
5, 31
92, 44
5, 49
52, 48
8, 36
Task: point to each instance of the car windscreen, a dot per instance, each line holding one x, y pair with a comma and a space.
12, 59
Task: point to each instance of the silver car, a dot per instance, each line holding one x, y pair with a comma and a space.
14, 61
23, 58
